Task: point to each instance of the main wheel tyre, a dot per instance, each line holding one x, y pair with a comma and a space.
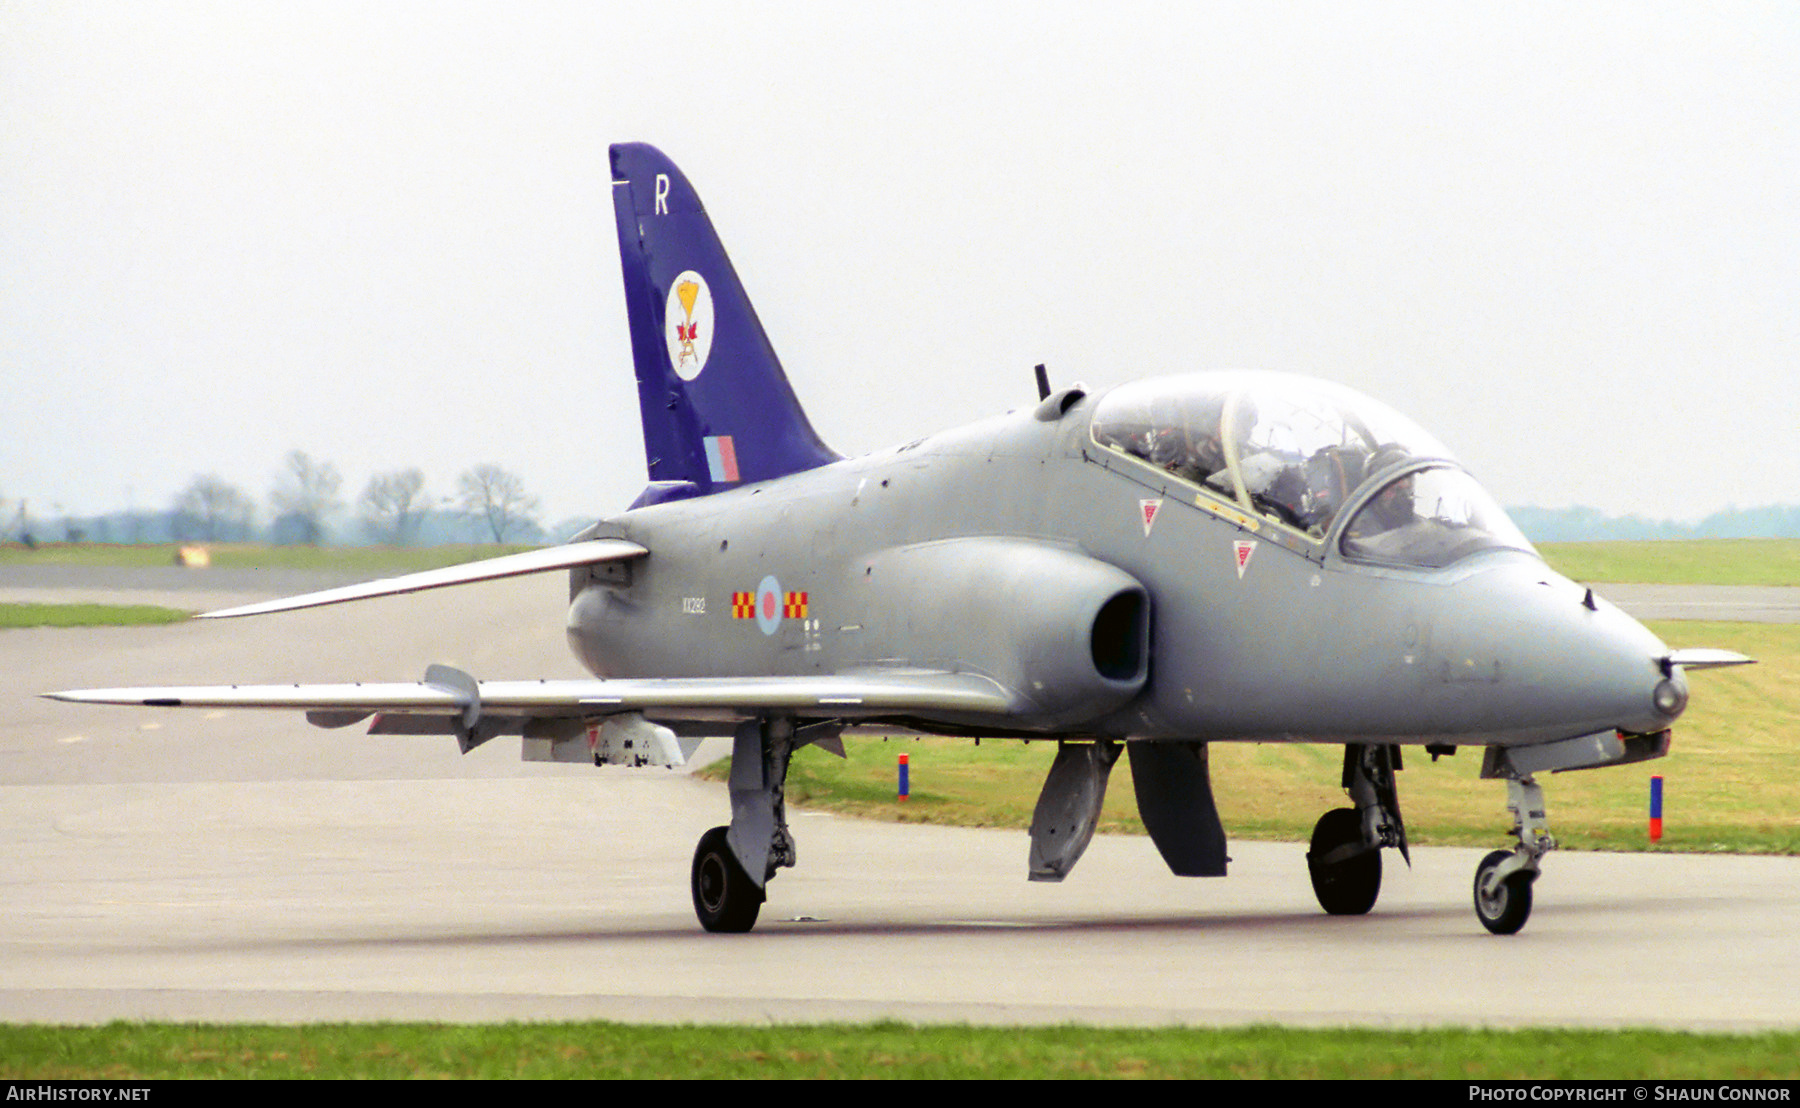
1505, 910
725, 898
1346, 886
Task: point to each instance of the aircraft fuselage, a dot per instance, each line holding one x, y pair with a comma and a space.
1249, 630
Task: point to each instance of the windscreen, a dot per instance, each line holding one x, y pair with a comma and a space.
1429, 518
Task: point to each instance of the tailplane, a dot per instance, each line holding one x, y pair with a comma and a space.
717, 409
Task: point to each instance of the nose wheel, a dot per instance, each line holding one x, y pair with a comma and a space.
1502, 899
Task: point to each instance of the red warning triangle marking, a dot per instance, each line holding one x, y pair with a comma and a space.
1149, 508
1243, 548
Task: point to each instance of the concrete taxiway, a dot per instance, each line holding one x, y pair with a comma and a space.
246, 866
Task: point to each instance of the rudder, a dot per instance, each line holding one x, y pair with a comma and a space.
717, 408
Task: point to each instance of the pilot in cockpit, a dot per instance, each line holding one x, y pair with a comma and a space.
1393, 507
1185, 439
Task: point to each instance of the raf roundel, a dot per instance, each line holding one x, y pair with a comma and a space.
769, 605
688, 324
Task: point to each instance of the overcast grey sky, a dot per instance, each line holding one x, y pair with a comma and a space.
1565, 238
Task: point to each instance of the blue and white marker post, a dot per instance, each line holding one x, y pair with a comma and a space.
905, 785
1656, 809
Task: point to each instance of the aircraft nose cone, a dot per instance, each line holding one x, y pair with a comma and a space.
1633, 685
1568, 662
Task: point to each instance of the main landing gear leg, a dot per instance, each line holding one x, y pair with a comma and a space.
1344, 858
732, 865
1504, 878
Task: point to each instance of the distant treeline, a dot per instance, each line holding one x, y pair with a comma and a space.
435, 527
1776, 521
305, 509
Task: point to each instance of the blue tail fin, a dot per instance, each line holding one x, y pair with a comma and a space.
717, 408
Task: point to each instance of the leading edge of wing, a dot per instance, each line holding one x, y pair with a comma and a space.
569, 555
840, 696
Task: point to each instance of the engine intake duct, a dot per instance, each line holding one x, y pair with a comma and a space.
1069, 635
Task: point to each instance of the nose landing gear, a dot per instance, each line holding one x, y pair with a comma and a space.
1504, 878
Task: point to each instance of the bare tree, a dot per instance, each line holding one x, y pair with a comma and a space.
393, 505
499, 498
304, 494
213, 510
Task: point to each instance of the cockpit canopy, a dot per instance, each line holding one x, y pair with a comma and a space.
1298, 451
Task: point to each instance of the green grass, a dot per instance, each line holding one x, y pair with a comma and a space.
345, 559
1732, 781
1679, 562
124, 1052
86, 615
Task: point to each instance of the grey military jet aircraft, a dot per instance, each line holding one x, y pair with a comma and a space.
1213, 558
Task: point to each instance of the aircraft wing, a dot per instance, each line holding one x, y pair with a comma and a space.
567, 556
612, 721
449, 692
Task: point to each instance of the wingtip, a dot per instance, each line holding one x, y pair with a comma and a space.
229, 613
104, 696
